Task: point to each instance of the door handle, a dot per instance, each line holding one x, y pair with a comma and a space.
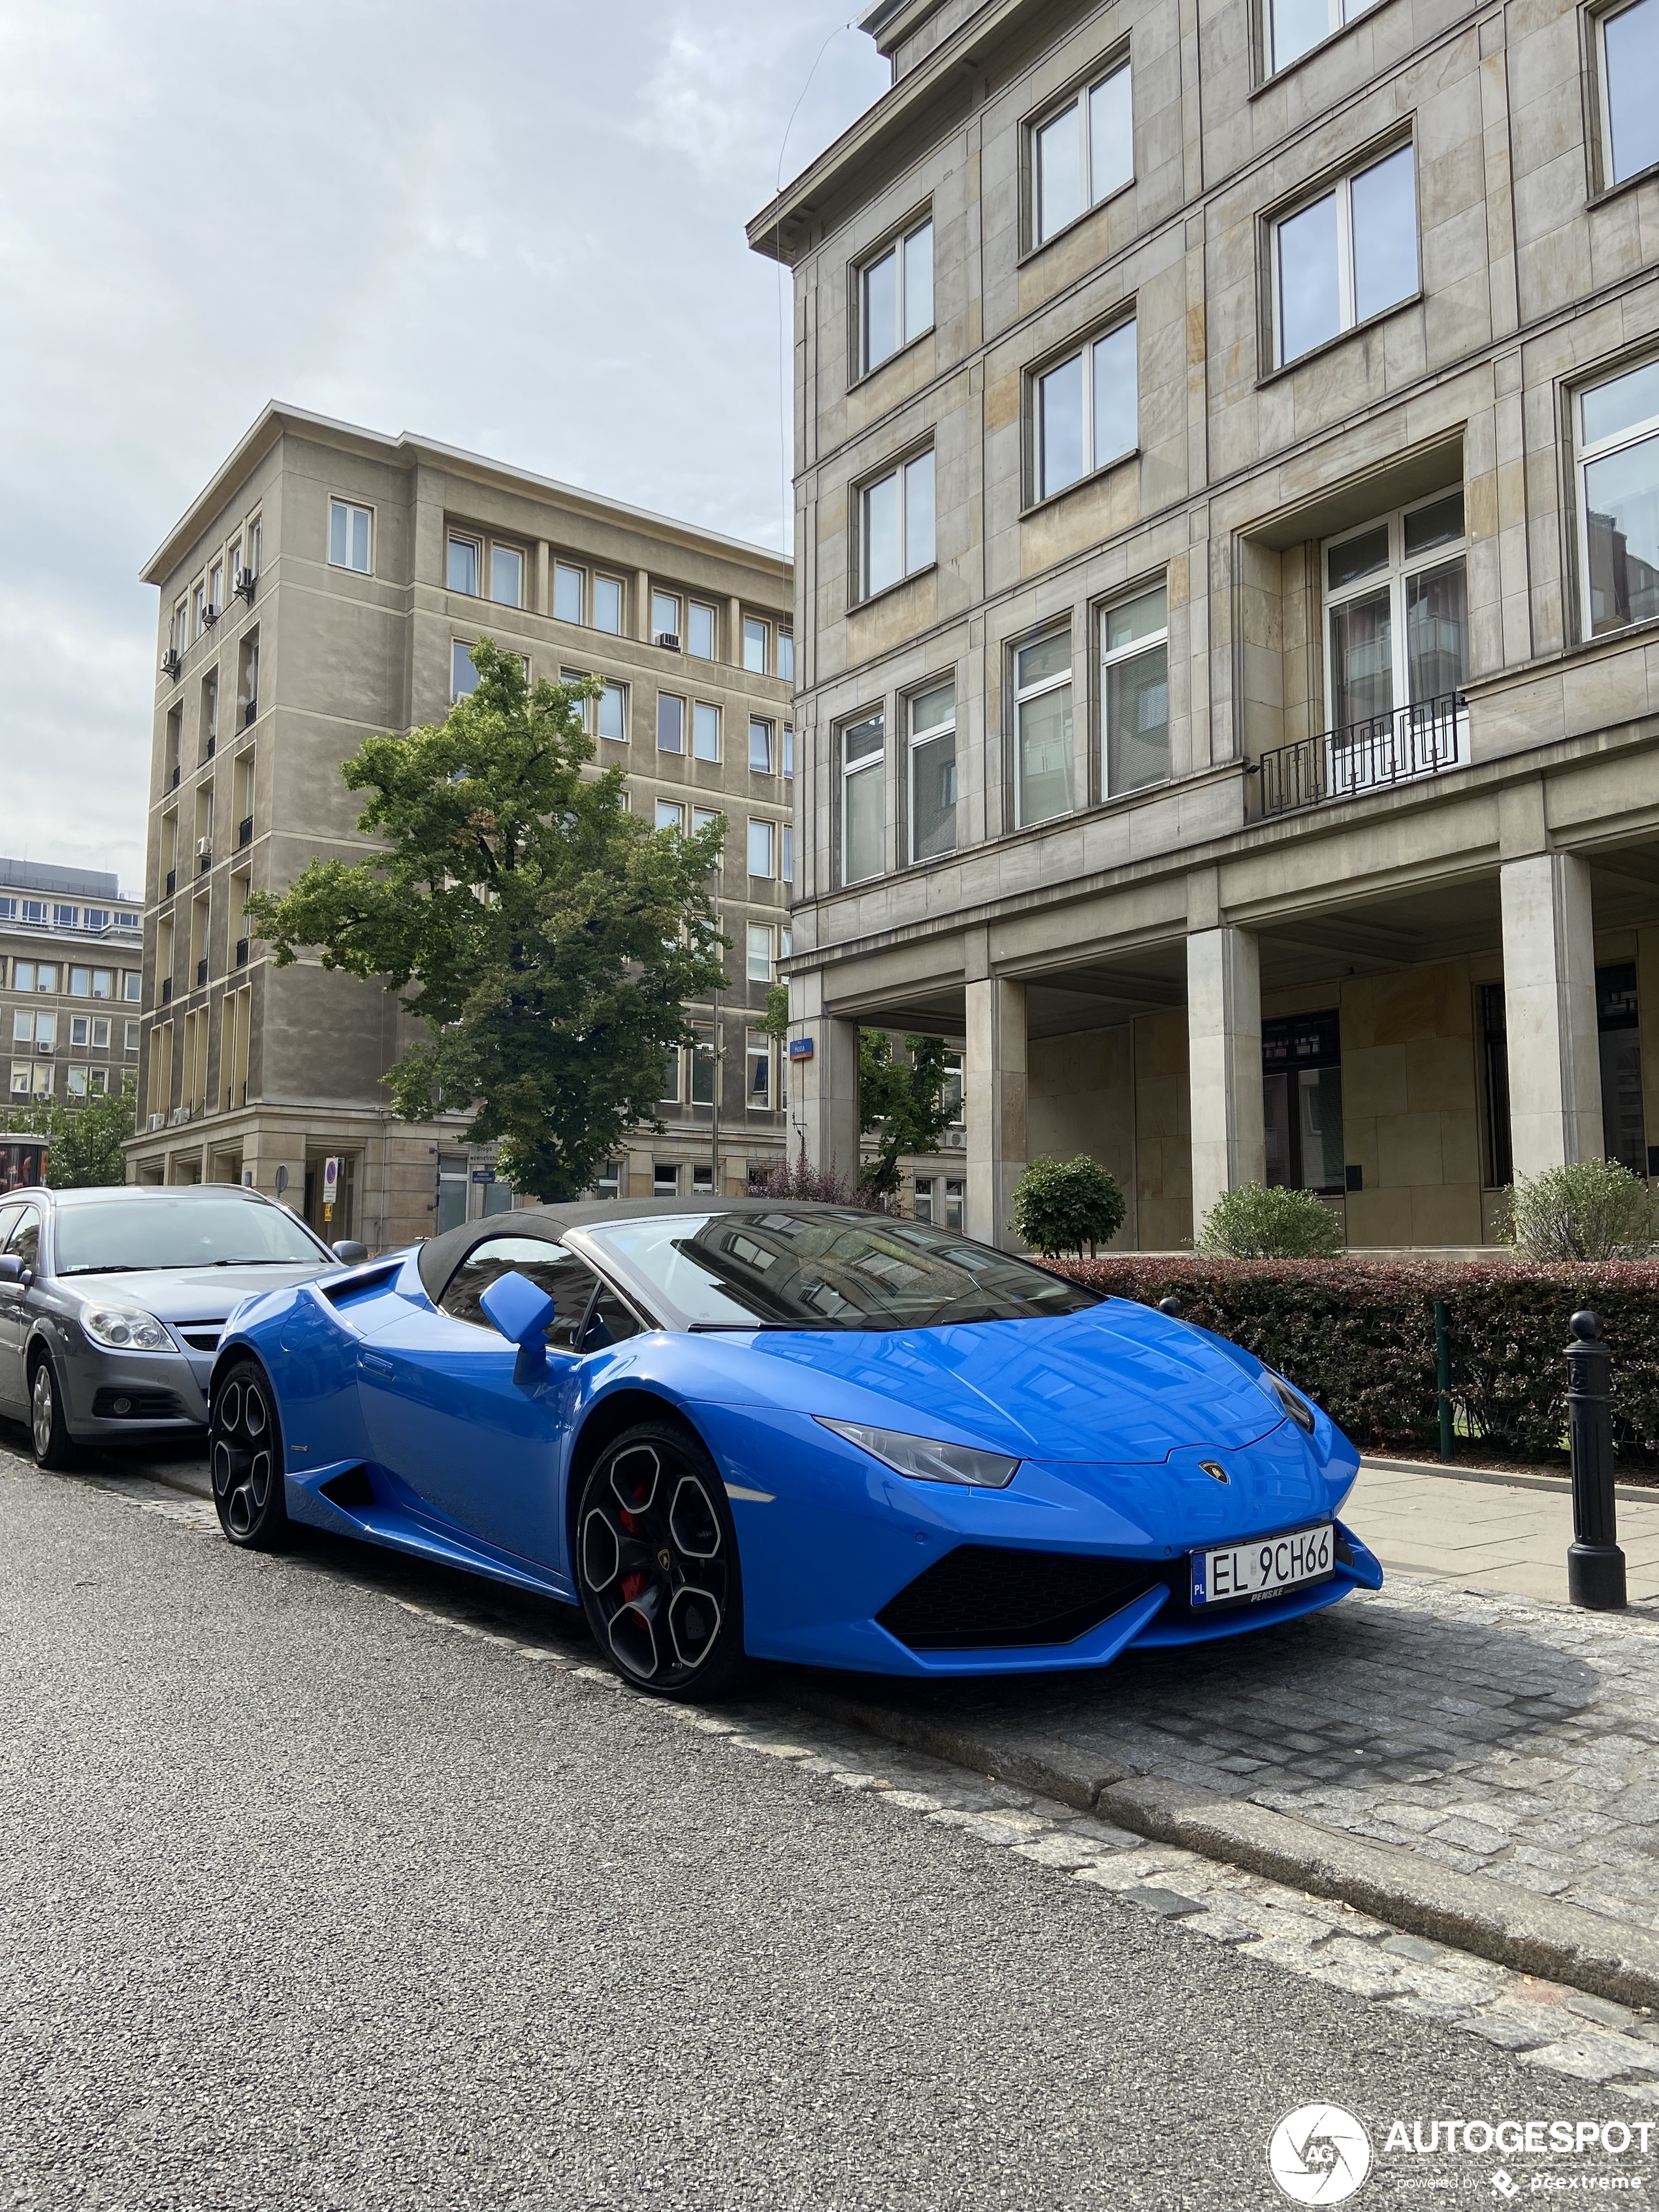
375, 1365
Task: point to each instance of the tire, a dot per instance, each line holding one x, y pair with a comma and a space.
244, 1452
657, 1565
54, 1448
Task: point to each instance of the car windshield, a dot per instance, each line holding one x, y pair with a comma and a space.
790, 1268
129, 1233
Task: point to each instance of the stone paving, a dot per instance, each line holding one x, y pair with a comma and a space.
1484, 1532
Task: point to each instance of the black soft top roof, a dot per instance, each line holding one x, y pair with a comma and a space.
440, 1256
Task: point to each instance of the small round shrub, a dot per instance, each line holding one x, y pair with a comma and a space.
1591, 1210
1258, 1222
1060, 1205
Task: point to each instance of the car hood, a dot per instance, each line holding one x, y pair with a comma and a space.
1119, 1381
204, 1294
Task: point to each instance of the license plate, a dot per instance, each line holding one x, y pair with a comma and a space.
1244, 1574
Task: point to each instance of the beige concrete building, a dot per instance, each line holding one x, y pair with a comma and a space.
1228, 593
325, 586
70, 986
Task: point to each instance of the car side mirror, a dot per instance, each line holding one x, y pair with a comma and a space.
350, 1252
12, 1270
521, 1311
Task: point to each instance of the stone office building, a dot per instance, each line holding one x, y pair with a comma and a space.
1228, 594
327, 586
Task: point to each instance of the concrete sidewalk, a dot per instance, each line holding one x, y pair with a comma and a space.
1491, 1532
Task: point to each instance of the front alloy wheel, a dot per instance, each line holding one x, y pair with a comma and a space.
244, 1451
47, 1429
657, 1564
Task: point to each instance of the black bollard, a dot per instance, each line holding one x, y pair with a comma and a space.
1596, 1565
1171, 1305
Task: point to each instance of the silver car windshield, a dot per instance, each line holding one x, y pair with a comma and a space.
122, 1234
792, 1269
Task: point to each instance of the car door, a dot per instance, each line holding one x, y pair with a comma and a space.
449, 1414
22, 1240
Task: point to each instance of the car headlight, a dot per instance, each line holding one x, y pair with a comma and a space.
126, 1328
1288, 1400
926, 1459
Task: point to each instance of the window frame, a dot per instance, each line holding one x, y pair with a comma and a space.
1604, 180
914, 741
351, 506
619, 585
699, 709
763, 666
1339, 183
702, 607
1584, 455
764, 933
671, 699
675, 600
1040, 690
758, 1052
1272, 67
895, 471
452, 539
893, 242
769, 873
516, 553
1075, 95
561, 568
874, 764
1079, 349
1115, 657
1395, 573
767, 766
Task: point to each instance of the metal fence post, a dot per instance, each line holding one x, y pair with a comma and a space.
1443, 1377
1596, 1565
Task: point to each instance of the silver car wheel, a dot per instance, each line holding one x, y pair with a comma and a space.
42, 1409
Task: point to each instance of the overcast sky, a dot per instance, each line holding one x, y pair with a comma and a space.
515, 225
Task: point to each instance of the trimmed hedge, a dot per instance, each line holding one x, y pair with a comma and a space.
1358, 1337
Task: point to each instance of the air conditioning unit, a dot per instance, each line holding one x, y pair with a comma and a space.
44, 1045
158, 1121
180, 1113
242, 585
669, 639
171, 662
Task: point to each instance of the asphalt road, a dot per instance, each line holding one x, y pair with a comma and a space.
307, 1900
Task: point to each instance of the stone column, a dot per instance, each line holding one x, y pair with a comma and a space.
1224, 1063
994, 1090
1549, 1002
824, 1090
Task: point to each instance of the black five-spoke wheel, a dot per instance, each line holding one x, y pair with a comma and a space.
657, 1564
245, 1450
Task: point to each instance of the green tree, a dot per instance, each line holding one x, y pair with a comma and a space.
1060, 1205
902, 1098
85, 1135
550, 937
1259, 1221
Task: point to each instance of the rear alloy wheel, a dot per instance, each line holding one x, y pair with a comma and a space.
244, 1452
48, 1431
657, 1564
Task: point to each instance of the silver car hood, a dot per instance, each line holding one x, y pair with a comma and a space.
185, 1294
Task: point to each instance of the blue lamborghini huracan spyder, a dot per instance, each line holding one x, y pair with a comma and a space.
776, 1430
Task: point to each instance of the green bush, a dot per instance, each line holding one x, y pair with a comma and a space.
1256, 1222
1060, 1205
1358, 1337
1593, 1210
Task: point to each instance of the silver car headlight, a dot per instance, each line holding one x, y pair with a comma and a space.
126, 1328
926, 1459
1288, 1400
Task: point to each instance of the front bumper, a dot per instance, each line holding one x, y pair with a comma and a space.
164, 1391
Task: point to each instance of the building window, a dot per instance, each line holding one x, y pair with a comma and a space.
132, 986
895, 521
348, 536
1043, 730
666, 619
761, 862
1624, 1129
671, 816
759, 1085
932, 793
863, 800
670, 1093
255, 533
756, 638
1296, 26
896, 295
1301, 1099
103, 981
760, 953
665, 1179
128, 1036
1347, 256
1134, 684
956, 1193
1082, 154
180, 626
1618, 498
1396, 631
197, 611
247, 678
924, 1206
607, 604
463, 570
463, 675
80, 983
567, 592
506, 576
701, 633
670, 723
705, 731
217, 589
787, 853
788, 749
786, 656
760, 747
45, 976
1630, 80
77, 1082
613, 713
705, 818
1087, 412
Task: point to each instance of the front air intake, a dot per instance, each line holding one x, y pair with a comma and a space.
978, 1598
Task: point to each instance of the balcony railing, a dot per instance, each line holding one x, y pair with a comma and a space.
245, 831
241, 952
201, 971
1413, 742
